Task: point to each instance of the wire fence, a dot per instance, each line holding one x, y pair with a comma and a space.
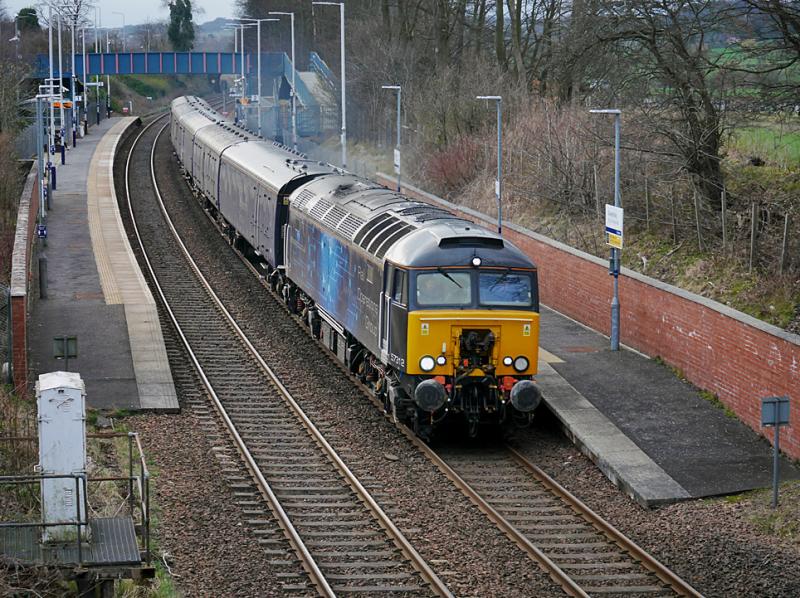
5, 334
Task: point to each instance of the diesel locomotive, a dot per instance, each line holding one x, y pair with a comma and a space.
439, 316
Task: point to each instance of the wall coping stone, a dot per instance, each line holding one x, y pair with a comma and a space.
19, 259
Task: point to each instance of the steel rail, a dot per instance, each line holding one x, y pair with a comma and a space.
398, 538
561, 577
648, 561
307, 561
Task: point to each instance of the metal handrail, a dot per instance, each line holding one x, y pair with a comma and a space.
138, 479
78, 523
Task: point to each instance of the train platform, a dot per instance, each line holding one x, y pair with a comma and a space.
95, 289
654, 435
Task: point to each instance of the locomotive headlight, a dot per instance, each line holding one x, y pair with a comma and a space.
507, 361
441, 360
521, 363
427, 363
476, 261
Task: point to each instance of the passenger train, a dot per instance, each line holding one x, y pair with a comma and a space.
439, 316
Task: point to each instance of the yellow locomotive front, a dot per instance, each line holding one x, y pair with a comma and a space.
471, 340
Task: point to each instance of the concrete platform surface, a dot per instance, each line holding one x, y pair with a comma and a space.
96, 290
653, 434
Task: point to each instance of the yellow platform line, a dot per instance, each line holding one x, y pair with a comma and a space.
548, 357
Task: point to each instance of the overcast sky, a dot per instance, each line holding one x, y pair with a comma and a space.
139, 11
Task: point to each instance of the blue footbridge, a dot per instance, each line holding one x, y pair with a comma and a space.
317, 109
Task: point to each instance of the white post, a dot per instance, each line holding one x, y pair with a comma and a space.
344, 102
72, 83
60, 83
294, 89
258, 105
108, 81
85, 89
51, 91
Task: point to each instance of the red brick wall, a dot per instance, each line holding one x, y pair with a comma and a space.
718, 349
20, 302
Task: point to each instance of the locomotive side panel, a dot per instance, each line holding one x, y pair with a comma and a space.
340, 279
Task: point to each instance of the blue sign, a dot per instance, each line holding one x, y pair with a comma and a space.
774, 411
41, 231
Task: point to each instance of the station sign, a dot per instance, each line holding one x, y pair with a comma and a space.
614, 228
775, 411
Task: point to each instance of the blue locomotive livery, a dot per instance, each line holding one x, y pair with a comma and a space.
438, 316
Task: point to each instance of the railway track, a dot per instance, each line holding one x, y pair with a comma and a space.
584, 554
341, 541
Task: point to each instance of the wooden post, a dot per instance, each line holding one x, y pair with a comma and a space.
753, 233
697, 218
597, 197
724, 220
785, 244
646, 203
674, 222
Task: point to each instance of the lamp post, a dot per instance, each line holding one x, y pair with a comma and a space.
60, 85
108, 80
399, 91
85, 94
344, 103
122, 14
258, 43
294, 71
498, 184
52, 139
615, 253
97, 17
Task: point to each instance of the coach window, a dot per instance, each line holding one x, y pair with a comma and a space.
400, 287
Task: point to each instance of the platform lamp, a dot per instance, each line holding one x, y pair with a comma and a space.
258, 43
615, 306
294, 73
344, 103
498, 184
399, 91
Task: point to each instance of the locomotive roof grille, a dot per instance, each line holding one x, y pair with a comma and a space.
303, 198
334, 216
392, 239
350, 225
385, 233
366, 234
320, 209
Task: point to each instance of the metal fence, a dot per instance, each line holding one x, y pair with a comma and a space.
5, 335
25, 142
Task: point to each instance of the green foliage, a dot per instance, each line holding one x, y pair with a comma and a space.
27, 19
181, 28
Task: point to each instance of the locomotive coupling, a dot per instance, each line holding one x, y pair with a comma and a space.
430, 395
525, 396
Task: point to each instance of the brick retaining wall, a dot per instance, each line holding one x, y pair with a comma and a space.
23, 279
735, 356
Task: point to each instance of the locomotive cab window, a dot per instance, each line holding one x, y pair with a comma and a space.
400, 287
505, 289
444, 288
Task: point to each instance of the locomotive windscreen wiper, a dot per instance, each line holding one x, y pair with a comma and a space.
450, 278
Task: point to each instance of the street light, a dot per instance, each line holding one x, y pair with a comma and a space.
615, 253
399, 91
498, 184
294, 71
344, 103
122, 14
258, 43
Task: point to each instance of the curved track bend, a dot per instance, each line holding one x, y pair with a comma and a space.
344, 541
